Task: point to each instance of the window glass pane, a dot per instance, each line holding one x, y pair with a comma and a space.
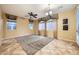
11, 25
30, 26
51, 25
42, 25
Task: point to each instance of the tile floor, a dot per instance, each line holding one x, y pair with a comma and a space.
55, 47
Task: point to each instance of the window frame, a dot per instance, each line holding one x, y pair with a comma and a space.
65, 24
9, 26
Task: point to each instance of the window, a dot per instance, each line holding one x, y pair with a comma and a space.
65, 21
42, 25
30, 26
11, 25
51, 25
65, 24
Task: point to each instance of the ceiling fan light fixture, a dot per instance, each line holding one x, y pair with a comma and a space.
46, 14
50, 12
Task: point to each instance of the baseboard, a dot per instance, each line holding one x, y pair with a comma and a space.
74, 41
15, 36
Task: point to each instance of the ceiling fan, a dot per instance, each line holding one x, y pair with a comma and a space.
31, 16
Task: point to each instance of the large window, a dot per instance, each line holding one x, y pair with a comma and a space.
51, 25
30, 26
11, 24
42, 25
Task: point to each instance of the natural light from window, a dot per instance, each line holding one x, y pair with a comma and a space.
42, 25
11, 25
51, 25
30, 26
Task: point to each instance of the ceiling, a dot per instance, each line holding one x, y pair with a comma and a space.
22, 10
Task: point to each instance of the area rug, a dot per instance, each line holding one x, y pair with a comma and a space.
33, 43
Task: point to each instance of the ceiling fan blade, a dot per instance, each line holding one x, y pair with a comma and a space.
32, 15
29, 13
35, 14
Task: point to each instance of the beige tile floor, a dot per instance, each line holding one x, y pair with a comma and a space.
59, 47
11, 47
56, 47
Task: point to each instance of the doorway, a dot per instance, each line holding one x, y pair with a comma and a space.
77, 26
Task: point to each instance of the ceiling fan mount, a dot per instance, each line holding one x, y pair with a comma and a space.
31, 14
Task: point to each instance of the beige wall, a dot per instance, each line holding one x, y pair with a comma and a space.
21, 29
50, 34
35, 27
69, 35
42, 32
1, 25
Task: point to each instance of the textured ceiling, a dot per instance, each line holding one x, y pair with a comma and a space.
40, 9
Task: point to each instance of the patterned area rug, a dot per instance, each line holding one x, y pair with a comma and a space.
32, 44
